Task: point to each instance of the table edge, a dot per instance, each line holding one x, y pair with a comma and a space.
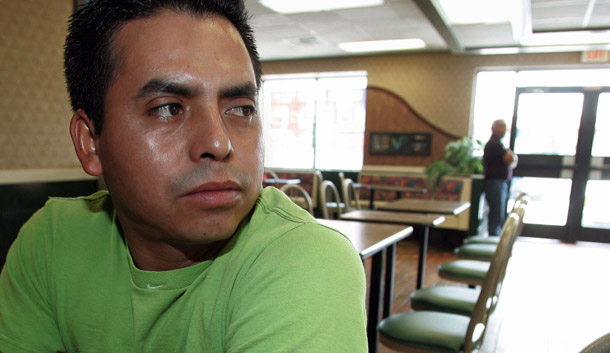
393, 239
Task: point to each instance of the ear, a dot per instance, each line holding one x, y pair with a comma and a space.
85, 142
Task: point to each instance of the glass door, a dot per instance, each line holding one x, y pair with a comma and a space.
595, 215
554, 129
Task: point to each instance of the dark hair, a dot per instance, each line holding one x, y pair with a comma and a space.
90, 61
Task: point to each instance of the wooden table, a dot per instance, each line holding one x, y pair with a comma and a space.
377, 241
426, 206
384, 187
270, 181
421, 221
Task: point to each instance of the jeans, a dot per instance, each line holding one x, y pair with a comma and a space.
496, 194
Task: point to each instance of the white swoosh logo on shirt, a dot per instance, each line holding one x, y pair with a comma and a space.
154, 287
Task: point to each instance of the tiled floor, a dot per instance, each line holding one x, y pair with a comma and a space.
556, 297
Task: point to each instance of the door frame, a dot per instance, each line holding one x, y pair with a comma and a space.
554, 166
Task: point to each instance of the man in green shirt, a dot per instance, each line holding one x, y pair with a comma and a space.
184, 253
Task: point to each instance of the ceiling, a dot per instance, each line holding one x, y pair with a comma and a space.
317, 34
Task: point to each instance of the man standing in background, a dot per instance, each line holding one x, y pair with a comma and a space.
498, 162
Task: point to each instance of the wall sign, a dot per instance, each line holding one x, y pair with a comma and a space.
399, 143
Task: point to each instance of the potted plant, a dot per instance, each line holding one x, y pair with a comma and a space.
462, 157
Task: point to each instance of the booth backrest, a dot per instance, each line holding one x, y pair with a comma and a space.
449, 190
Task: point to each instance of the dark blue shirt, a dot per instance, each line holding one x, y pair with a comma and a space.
493, 160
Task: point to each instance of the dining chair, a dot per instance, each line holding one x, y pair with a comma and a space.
350, 195
431, 331
341, 177
473, 272
330, 202
271, 174
484, 250
299, 196
318, 178
600, 345
462, 300
484, 239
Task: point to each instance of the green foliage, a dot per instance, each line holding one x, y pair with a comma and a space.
462, 157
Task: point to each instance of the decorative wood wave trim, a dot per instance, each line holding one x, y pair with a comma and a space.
388, 112
432, 125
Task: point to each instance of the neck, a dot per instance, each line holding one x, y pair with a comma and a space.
149, 256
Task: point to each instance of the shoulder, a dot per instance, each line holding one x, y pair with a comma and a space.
50, 264
277, 219
65, 223
308, 278
94, 203
272, 201
286, 272
494, 146
281, 232
294, 275
63, 214
313, 241
303, 255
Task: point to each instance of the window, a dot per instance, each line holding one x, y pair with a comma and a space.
314, 121
494, 99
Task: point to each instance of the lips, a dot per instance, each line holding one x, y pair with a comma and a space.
214, 194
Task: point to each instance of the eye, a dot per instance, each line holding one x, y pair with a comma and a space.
244, 110
167, 111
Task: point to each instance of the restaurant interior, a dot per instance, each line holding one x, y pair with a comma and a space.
385, 144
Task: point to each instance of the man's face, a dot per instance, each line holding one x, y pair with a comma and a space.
181, 148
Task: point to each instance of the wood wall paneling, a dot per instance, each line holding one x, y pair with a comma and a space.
387, 112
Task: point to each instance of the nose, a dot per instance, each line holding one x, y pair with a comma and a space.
211, 138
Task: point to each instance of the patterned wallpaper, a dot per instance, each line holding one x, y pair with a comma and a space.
34, 106
437, 86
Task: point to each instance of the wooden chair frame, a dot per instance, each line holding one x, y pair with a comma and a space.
330, 202
350, 195
299, 196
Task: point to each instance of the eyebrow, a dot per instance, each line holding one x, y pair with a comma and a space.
247, 89
159, 85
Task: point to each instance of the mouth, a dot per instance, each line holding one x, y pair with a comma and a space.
214, 194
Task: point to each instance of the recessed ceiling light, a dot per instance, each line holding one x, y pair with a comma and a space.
478, 11
498, 51
298, 6
567, 38
382, 45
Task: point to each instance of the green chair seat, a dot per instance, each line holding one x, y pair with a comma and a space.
484, 252
426, 329
448, 299
479, 239
466, 271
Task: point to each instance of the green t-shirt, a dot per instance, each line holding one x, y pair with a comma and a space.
284, 283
